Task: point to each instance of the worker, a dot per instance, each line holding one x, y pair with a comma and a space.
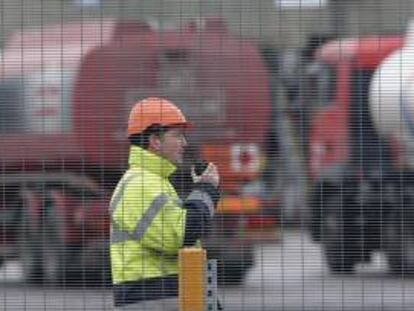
149, 223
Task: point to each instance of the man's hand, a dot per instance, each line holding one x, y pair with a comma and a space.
210, 175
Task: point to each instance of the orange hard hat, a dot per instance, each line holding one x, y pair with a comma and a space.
155, 110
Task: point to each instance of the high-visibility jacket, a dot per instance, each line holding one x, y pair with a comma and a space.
148, 227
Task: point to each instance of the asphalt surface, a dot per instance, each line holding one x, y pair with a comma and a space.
290, 275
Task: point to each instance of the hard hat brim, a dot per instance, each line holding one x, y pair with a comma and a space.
185, 125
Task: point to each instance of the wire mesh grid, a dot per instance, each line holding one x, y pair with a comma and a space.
206, 155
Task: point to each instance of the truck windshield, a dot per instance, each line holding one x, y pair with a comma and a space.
11, 106
319, 86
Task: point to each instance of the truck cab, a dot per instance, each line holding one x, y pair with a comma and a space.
349, 164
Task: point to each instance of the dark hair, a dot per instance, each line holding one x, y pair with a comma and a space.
142, 139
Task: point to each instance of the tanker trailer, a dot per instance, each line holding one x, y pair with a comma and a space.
62, 161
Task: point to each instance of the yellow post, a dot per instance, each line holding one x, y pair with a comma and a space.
192, 263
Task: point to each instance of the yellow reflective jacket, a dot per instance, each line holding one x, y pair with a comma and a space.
147, 220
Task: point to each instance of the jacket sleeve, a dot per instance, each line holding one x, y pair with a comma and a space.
200, 206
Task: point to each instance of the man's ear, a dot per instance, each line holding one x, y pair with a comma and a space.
154, 142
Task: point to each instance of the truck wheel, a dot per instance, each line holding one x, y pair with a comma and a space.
337, 253
232, 272
61, 261
96, 264
316, 207
30, 252
233, 261
44, 256
399, 246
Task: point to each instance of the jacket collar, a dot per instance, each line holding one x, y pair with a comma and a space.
141, 158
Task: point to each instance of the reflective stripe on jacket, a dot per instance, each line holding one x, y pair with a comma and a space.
147, 220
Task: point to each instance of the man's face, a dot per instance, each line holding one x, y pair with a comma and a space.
172, 145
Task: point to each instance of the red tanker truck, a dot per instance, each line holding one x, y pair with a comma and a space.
65, 98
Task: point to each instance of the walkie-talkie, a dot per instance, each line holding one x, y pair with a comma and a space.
200, 167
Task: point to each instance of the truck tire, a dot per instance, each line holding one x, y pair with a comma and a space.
61, 260
95, 262
233, 260
338, 253
44, 256
399, 245
30, 252
316, 207
232, 272
321, 198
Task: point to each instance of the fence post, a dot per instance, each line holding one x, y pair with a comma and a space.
192, 267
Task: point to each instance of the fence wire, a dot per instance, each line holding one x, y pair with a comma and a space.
276, 135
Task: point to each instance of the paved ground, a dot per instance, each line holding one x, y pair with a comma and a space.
290, 276
293, 276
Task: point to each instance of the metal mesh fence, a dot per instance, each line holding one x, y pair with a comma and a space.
276, 135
